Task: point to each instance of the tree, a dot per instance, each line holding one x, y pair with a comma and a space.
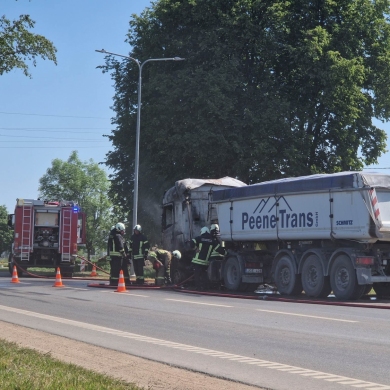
6, 234
18, 45
86, 183
269, 89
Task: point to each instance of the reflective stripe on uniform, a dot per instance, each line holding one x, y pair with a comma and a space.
199, 261
205, 261
112, 253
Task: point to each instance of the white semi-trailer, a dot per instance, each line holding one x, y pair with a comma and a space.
316, 234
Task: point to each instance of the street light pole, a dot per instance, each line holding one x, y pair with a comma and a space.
137, 138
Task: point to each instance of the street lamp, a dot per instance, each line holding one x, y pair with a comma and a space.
136, 164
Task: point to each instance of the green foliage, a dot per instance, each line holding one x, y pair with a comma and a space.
87, 184
18, 45
6, 234
269, 89
22, 368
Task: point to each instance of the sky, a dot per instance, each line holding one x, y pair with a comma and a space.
66, 107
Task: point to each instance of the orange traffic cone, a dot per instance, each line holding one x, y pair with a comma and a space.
58, 282
121, 283
94, 273
15, 278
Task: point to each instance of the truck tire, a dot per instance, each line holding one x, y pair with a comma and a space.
286, 280
314, 282
178, 271
343, 280
382, 289
177, 276
232, 274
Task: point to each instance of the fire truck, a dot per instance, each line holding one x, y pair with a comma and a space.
47, 234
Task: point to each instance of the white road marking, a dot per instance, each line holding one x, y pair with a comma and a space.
124, 293
76, 288
304, 315
353, 382
197, 303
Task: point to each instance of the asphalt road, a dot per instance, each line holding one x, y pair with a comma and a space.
274, 345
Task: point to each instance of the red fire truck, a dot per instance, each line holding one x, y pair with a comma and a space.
46, 235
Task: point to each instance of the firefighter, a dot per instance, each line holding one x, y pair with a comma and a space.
139, 248
214, 231
204, 245
110, 235
117, 253
162, 257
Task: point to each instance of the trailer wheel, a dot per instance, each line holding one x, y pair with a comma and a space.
343, 280
314, 282
286, 280
232, 274
382, 289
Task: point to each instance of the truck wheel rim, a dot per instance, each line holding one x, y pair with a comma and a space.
233, 274
285, 276
342, 279
312, 277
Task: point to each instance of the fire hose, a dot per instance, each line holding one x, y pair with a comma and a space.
173, 287
93, 264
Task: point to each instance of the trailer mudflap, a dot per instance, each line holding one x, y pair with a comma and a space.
364, 277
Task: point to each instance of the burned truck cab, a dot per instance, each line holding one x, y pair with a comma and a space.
186, 209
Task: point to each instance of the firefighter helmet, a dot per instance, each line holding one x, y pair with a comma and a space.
215, 227
204, 230
120, 227
138, 228
176, 254
152, 254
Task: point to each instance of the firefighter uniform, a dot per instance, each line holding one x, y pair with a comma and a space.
116, 252
214, 231
204, 245
165, 257
139, 248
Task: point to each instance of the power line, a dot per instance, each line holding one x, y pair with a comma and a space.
54, 132
56, 128
56, 138
58, 116
51, 147
70, 140
65, 130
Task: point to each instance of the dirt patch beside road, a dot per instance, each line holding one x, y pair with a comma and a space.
144, 373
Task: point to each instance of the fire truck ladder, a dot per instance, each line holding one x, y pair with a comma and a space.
26, 232
66, 229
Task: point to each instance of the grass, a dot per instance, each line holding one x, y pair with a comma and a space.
26, 369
